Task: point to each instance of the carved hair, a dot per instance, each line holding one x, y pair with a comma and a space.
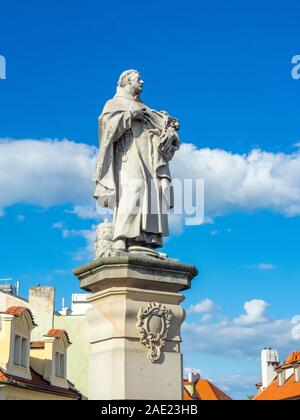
125, 76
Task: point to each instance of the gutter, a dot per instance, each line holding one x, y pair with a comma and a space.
32, 388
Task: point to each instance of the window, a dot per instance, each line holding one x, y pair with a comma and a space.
59, 365
281, 378
297, 374
20, 351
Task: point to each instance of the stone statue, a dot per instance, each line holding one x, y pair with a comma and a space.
132, 173
104, 239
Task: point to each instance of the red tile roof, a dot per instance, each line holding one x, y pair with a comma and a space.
39, 384
58, 334
205, 390
37, 345
208, 391
293, 357
19, 311
290, 390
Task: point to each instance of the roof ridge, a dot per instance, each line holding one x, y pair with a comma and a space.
18, 311
215, 389
57, 333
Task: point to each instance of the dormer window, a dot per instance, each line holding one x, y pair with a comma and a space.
59, 365
56, 346
21, 351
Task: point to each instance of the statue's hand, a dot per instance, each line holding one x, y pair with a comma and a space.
167, 145
139, 114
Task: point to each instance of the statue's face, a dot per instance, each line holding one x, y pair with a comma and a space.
136, 83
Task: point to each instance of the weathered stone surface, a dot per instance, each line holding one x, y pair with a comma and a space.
132, 269
132, 173
41, 303
134, 326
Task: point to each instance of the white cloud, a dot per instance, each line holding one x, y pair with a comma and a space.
255, 312
20, 218
266, 266
91, 212
87, 252
241, 337
296, 327
61, 272
214, 232
262, 266
58, 225
45, 172
206, 318
258, 180
205, 306
52, 172
239, 387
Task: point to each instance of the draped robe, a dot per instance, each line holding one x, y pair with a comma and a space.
129, 171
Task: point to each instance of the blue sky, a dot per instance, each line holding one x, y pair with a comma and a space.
225, 70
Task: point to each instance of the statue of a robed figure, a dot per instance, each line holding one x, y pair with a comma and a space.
134, 320
132, 173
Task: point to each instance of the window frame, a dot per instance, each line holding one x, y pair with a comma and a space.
281, 378
297, 374
60, 364
21, 353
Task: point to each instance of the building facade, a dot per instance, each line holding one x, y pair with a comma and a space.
32, 370
33, 355
280, 381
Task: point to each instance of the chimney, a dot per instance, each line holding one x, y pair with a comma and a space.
269, 361
191, 385
41, 304
193, 377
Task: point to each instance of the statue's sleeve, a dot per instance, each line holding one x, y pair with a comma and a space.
113, 122
115, 119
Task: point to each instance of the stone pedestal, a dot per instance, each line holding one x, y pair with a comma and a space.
134, 326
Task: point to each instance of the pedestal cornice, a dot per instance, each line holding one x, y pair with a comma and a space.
133, 270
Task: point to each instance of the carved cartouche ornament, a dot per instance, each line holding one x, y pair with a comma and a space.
153, 325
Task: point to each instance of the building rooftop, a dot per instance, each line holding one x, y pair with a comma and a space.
290, 390
19, 311
58, 334
290, 387
293, 357
205, 390
37, 383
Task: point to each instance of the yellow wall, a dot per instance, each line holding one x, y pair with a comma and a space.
78, 352
5, 341
10, 326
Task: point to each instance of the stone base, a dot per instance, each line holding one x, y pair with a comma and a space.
134, 326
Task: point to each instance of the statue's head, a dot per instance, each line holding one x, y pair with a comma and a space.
131, 81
